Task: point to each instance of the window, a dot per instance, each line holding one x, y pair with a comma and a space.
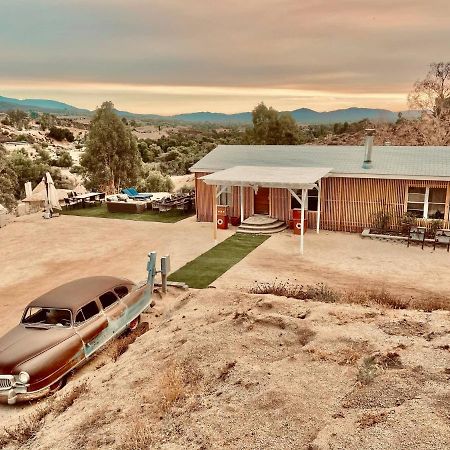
426, 202
312, 199
47, 317
121, 291
86, 312
108, 299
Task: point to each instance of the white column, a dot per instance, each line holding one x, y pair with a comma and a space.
319, 189
242, 203
302, 231
215, 213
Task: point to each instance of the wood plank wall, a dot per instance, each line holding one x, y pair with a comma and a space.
348, 204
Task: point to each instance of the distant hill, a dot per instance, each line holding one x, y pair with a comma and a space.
302, 115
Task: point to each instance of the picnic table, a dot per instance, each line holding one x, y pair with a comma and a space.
89, 197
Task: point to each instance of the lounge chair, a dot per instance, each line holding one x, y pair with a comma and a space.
135, 195
442, 237
417, 234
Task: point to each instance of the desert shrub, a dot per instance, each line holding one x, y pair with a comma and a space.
43, 154
64, 160
406, 222
435, 225
172, 386
64, 402
185, 189
137, 436
367, 371
322, 293
370, 419
382, 220
120, 345
76, 169
59, 134
154, 181
429, 304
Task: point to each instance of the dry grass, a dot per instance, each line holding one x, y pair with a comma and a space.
172, 386
305, 335
138, 436
65, 401
369, 419
367, 371
369, 297
120, 345
87, 434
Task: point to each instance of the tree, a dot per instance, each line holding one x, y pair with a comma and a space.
8, 181
272, 128
64, 160
60, 134
18, 118
432, 94
111, 159
155, 181
47, 120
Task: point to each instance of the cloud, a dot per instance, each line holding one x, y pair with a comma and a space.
347, 46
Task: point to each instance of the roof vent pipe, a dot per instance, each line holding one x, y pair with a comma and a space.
367, 164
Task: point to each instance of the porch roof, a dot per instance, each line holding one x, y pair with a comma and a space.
275, 177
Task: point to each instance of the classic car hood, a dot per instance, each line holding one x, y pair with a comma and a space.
21, 344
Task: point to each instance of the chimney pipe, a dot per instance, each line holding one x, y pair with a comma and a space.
367, 164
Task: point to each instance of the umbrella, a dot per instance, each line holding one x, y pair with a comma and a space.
51, 200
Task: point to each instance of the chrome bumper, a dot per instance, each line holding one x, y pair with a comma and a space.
20, 394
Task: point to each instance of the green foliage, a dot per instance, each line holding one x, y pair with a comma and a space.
382, 220
407, 221
60, 134
23, 138
111, 160
272, 128
76, 169
154, 181
8, 181
64, 160
18, 119
435, 225
44, 155
47, 121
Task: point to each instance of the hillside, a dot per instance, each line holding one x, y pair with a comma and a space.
226, 369
302, 115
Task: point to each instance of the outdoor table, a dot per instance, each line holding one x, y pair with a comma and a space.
88, 197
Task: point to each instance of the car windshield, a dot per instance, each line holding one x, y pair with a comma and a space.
47, 317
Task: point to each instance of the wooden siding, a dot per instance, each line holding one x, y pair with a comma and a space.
347, 204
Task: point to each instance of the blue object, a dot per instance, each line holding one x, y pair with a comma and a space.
133, 193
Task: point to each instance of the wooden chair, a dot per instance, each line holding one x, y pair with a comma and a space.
442, 237
417, 234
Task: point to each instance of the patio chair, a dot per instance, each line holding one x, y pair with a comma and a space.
442, 237
417, 235
135, 195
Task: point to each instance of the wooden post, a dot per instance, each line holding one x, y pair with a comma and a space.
242, 203
215, 213
319, 188
302, 231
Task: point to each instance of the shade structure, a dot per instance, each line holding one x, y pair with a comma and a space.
52, 201
271, 177
80, 189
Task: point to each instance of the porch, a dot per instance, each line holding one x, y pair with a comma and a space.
250, 190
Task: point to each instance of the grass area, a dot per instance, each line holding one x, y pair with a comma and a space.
148, 216
205, 269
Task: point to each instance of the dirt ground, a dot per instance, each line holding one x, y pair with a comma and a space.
345, 261
225, 369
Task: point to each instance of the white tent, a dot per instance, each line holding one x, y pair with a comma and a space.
51, 194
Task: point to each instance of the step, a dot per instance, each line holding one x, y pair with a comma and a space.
275, 224
277, 229
259, 220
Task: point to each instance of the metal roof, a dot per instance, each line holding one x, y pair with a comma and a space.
75, 294
387, 161
287, 177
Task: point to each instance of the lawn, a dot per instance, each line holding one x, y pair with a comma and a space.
205, 269
148, 216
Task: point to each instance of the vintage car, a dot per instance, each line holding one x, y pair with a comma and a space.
63, 328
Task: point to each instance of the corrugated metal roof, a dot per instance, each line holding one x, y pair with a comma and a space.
290, 177
388, 161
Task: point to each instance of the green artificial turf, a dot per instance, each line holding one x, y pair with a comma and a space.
147, 216
205, 269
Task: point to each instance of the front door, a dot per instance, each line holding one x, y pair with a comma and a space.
262, 201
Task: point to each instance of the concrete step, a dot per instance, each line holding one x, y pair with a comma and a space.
272, 230
268, 226
259, 219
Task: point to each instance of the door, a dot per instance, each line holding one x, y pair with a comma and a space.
262, 201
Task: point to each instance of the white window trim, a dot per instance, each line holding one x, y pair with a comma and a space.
426, 200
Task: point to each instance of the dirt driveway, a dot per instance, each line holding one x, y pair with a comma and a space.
37, 255
345, 261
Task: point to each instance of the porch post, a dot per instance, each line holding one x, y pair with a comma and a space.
319, 188
302, 231
242, 203
215, 213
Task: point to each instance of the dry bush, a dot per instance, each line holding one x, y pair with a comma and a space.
120, 345
172, 386
26, 429
367, 371
375, 297
61, 404
305, 335
138, 436
370, 419
391, 360
429, 304
86, 435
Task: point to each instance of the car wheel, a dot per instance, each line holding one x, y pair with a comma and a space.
134, 323
57, 385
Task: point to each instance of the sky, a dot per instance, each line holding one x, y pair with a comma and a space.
174, 56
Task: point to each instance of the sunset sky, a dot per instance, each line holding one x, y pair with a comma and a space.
172, 56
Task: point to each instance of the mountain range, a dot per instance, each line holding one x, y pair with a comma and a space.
302, 115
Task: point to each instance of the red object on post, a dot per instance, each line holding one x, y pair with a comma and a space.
222, 217
297, 221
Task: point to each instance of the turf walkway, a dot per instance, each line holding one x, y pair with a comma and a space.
147, 216
205, 269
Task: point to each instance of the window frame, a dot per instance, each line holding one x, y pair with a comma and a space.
426, 201
112, 304
78, 324
228, 195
